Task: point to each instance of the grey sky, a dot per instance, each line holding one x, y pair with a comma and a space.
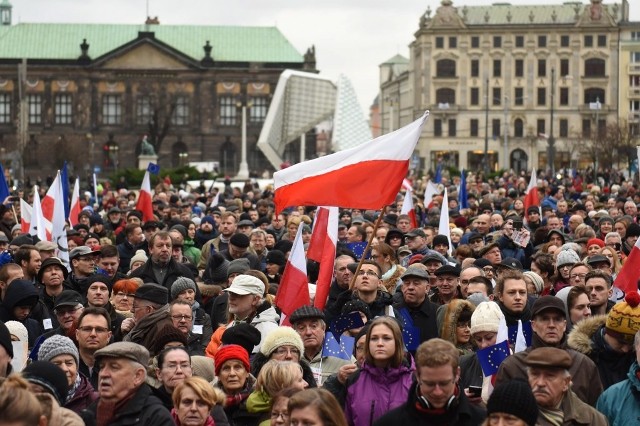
352, 37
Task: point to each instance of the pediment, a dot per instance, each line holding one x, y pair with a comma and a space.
144, 55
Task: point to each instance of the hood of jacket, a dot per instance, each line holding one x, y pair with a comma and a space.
18, 291
258, 402
265, 313
582, 333
452, 313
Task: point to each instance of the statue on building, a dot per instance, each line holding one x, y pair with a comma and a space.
146, 148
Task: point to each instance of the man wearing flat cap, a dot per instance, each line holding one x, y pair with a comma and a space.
548, 325
447, 285
150, 314
124, 396
415, 308
309, 322
550, 380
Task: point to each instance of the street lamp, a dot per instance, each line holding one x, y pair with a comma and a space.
243, 170
113, 154
596, 106
183, 158
486, 128
551, 151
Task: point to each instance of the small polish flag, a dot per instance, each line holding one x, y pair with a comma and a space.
532, 198
293, 291
444, 229
216, 200
74, 211
430, 191
38, 226
25, 216
144, 199
322, 249
409, 209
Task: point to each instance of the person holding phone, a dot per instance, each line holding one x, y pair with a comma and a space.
515, 241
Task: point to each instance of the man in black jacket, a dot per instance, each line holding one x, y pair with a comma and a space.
416, 309
435, 398
125, 398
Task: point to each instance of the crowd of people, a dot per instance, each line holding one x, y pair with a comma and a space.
174, 321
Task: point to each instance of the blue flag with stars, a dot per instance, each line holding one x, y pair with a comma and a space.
490, 358
153, 168
346, 322
342, 349
526, 330
463, 200
438, 177
411, 337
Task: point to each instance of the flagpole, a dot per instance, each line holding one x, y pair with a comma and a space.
15, 215
366, 250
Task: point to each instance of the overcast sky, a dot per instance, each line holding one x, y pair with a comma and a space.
352, 37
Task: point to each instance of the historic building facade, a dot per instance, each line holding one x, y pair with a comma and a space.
89, 93
512, 85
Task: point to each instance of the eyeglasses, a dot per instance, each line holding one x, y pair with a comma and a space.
574, 276
98, 330
447, 279
182, 317
87, 259
362, 273
442, 385
275, 415
284, 351
174, 367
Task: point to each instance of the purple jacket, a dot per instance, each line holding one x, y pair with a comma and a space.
375, 391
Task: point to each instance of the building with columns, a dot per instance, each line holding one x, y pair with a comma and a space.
513, 86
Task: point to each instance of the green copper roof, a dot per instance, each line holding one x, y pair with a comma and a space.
230, 44
397, 59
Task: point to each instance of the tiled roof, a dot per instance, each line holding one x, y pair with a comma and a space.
229, 43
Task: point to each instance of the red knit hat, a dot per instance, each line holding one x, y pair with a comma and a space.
596, 241
225, 353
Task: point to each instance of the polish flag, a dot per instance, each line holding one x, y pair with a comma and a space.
444, 229
627, 279
322, 249
430, 191
74, 211
406, 184
144, 199
216, 200
367, 176
293, 291
25, 217
39, 224
532, 198
53, 210
409, 209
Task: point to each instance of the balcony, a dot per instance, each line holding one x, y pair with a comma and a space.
634, 68
634, 117
634, 93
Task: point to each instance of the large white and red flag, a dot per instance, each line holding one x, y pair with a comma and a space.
144, 199
532, 198
74, 210
39, 226
293, 291
53, 210
322, 249
430, 191
443, 228
409, 209
367, 176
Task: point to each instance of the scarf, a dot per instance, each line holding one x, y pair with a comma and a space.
390, 272
107, 410
176, 420
552, 416
73, 388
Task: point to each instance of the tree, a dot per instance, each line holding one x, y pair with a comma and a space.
156, 106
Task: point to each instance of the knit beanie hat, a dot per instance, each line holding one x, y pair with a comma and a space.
440, 239
97, 278
567, 257
623, 319
180, 285
536, 279
596, 241
209, 220
279, 337
58, 345
227, 352
5, 339
633, 230
167, 334
217, 269
242, 334
140, 256
486, 317
516, 398
49, 376
238, 266
18, 329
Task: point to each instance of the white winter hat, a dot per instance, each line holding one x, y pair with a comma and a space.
486, 317
566, 257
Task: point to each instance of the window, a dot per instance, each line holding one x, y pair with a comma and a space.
588, 41
258, 111
228, 111
564, 96
439, 42
446, 96
181, 111
497, 68
542, 96
594, 67
473, 127
475, 42
35, 108
519, 67
518, 128
497, 41
586, 128
475, 96
564, 128
497, 96
452, 127
541, 126
446, 68
475, 68
519, 41
635, 35
635, 57
111, 109
565, 40
143, 110
594, 95
542, 67
602, 40
5, 108
495, 127
518, 96
453, 42
63, 109
564, 67
542, 41
437, 127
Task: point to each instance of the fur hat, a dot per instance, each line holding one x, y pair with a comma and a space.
58, 345
18, 329
624, 318
486, 317
566, 257
181, 284
279, 337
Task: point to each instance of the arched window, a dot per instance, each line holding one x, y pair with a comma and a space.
228, 157
594, 94
179, 154
446, 68
518, 128
446, 96
594, 67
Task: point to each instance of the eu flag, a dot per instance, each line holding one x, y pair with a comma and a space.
463, 200
346, 322
64, 177
526, 330
490, 358
153, 168
342, 349
411, 337
4, 188
438, 177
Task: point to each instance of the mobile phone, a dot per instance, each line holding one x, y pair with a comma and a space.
475, 390
517, 225
14, 198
